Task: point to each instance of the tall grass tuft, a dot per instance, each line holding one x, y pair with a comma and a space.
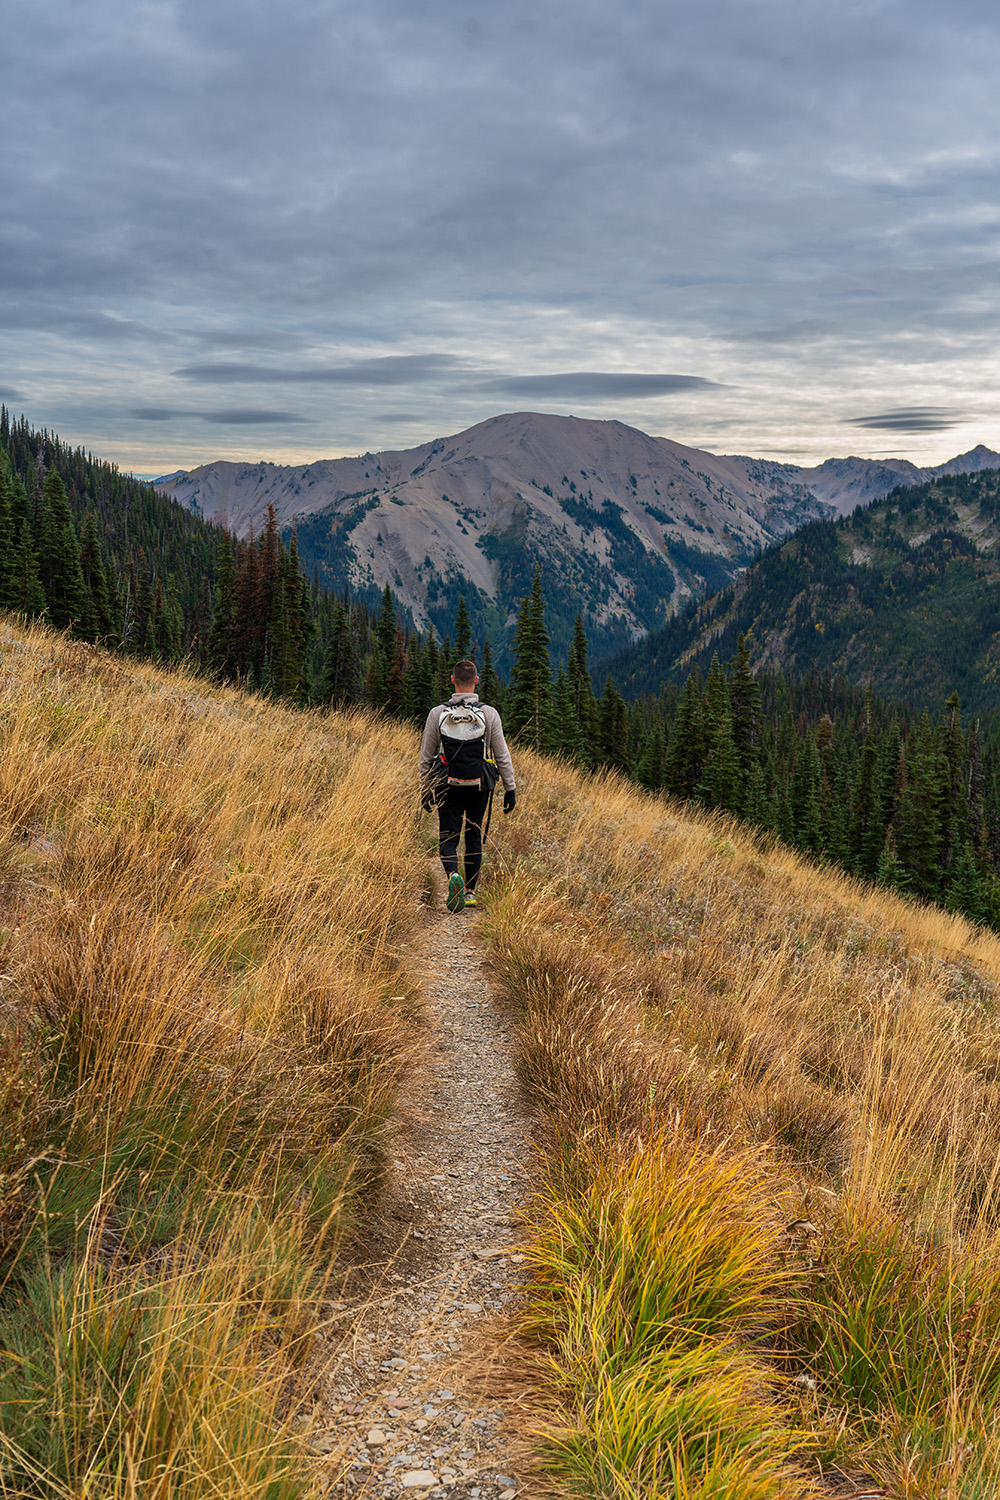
203, 1028
675, 977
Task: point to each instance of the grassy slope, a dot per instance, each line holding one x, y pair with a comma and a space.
767, 1239
202, 1026
765, 1231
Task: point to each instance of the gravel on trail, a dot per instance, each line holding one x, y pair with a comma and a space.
409, 1406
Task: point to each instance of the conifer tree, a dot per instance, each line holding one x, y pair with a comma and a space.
383, 655
720, 784
463, 631
418, 681
8, 540
340, 683
172, 629
96, 583
219, 651
583, 691
807, 813
66, 594
247, 628
397, 674
686, 747
744, 695
890, 873
565, 737
613, 730
755, 798
964, 890
489, 682
650, 770
529, 706
867, 828
954, 803
25, 593
443, 688
918, 826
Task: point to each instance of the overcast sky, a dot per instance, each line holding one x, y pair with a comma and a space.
304, 228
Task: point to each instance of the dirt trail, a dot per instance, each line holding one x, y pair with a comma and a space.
403, 1415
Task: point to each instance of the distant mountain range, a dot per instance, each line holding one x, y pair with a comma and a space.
904, 595
624, 526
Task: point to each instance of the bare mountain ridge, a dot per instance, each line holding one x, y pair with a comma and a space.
632, 524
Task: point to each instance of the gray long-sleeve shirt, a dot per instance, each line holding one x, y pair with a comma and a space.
496, 745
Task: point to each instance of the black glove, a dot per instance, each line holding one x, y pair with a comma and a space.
427, 801
509, 801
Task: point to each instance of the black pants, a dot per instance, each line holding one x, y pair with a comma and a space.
462, 804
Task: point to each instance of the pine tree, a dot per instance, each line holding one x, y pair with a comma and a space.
954, 803
219, 652
529, 706
489, 682
143, 639
744, 696
247, 630
25, 592
720, 784
69, 606
341, 676
613, 730
418, 681
463, 631
92, 568
867, 828
686, 746
443, 687
807, 813
650, 770
7, 533
890, 873
565, 737
964, 890
383, 654
918, 831
172, 640
583, 691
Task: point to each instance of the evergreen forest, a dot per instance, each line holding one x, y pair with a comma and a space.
903, 594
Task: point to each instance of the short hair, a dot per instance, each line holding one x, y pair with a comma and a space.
465, 672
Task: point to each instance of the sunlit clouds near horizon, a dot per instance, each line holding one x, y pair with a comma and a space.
288, 232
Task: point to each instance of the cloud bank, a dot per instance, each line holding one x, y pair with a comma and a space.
795, 204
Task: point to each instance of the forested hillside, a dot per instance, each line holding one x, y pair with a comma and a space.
903, 595
93, 551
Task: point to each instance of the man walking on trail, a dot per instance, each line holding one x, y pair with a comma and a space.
462, 753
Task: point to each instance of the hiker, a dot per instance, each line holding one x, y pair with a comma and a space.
462, 754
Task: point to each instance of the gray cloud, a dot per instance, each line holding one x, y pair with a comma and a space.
8, 393
796, 199
249, 416
155, 413
595, 385
403, 369
911, 419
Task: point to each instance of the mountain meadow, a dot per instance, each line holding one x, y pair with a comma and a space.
741, 930
763, 1225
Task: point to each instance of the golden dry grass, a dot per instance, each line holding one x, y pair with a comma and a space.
204, 1025
673, 972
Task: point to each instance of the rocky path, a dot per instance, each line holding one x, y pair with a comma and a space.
410, 1407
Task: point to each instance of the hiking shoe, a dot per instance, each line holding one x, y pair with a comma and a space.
456, 893
470, 899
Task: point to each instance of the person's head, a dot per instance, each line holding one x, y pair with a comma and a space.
464, 676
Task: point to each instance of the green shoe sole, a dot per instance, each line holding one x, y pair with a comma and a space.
456, 894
